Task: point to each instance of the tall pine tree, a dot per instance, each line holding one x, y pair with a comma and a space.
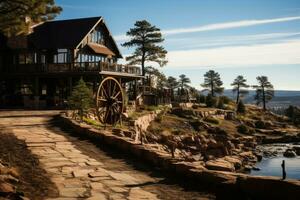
239, 84
146, 38
16, 16
213, 83
264, 91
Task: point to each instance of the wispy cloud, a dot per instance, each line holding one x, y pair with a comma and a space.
228, 25
261, 54
204, 42
220, 26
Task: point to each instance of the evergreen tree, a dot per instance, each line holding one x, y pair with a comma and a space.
146, 38
81, 98
16, 16
238, 87
264, 91
213, 83
183, 84
241, 107
293, 112
172, 84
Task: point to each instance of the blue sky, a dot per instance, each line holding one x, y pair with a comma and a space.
233, 37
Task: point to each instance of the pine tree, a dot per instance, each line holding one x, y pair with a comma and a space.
183, 84
213, 83
238, 84
81, 98
172, 84
264, 91
146, 38
16, 16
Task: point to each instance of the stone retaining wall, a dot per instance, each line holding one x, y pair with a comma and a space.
227, 185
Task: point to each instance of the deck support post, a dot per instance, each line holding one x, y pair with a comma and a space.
36, 93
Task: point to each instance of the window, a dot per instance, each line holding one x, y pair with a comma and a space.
44, 90
62, 56
27, 58
97, 37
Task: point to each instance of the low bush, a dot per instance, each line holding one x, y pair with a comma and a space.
241, 108
201, 99
260, 124
225, 99
91, 121
211, 120
243, 129
211, 101
220, 103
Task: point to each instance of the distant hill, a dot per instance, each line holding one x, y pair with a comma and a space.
282, 99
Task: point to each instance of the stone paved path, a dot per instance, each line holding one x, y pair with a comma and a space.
79, 169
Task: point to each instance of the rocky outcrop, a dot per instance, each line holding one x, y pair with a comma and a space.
8, 180
228, 184
220, 165
289, 153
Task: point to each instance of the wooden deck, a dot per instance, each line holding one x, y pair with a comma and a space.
77, 67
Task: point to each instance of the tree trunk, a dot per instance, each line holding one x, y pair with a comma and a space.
143, 60
264, 98
212, 89
238, 95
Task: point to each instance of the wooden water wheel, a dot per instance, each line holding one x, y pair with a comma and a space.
110, 101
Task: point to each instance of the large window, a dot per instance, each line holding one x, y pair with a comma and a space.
27, 58
89, 58
62, 56
97, 37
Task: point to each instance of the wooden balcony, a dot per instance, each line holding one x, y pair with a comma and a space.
76, 67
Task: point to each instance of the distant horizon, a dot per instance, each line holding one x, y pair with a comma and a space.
250, 38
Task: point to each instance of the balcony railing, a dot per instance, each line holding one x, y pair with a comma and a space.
74, 67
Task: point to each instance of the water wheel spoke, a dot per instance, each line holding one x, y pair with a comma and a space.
117, 95
102, 100
104, 93
109, 101
114, 89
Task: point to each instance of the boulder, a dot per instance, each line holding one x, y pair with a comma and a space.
289, 153
235, 160
297, 150
6, 188
220, 165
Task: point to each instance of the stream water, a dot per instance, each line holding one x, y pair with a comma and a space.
271, 162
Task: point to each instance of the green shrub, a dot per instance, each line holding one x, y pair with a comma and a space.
211, 101
91, 121
201, 99
241, 108
260, 124
243, 129
211, 120
220, 103
225, 99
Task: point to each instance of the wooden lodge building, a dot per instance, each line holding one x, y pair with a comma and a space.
38, 70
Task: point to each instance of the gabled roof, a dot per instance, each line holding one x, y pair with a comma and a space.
65, 33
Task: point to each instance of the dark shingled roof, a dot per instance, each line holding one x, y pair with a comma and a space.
61, 34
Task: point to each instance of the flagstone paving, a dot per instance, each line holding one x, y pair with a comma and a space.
79, 169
